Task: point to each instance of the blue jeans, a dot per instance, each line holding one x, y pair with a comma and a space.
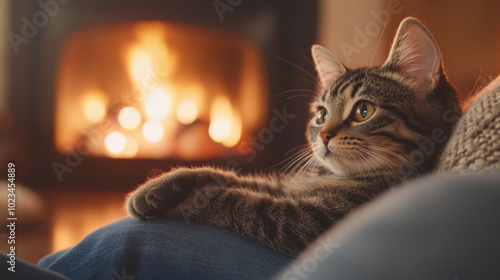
164, 249
435, 228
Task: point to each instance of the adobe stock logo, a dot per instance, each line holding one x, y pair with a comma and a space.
225, 6
39, 19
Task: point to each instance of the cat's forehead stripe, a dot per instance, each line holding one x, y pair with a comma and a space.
351, 83
324, 94
356, 88
349, 79
341, 85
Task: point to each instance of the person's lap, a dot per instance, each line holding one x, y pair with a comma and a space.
437, 228
165, 249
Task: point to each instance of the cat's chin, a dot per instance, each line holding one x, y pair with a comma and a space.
343, 165
336, 171
332, 163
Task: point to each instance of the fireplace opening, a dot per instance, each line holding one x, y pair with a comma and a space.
153, 89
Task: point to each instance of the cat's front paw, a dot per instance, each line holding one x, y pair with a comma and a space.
158, 196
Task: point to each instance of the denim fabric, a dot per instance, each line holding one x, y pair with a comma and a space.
24, 270
164, 249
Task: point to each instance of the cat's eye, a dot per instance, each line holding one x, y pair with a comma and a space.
321, 116
363, 111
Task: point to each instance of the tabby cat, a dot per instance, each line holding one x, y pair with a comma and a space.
365, 136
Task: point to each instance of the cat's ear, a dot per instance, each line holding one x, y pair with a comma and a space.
416, 55
328, 66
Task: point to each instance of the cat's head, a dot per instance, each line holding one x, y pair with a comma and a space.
383, 118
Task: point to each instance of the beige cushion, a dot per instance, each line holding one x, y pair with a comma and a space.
475, 143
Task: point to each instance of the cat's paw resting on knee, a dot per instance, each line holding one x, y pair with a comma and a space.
158, 196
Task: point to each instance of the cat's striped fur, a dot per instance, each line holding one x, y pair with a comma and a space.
366, 124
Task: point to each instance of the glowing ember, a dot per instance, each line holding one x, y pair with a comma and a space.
129, 118
225, 126
220, 129
140, 63
152, 131
94, 110
187, 112
115, 142
158, 104
131, 147
236, 130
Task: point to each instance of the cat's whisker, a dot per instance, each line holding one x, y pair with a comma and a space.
304, 165
300, 78
292, 153
294, 171
379, 40
299, 166
384, 162
301, 147
392, 153
297, 159
366, 54
369, 158
402, 159
297, 96
360, 159
298, 67
296, 90
309, 159
296, 162
308, 59
378, 159
313, 161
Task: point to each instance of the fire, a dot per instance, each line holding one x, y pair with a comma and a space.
149, 60
94, 106
131, 147
225, 125
115, 142
140, 63
152, 131
129, 118
158, 104
118, 144
187, 112
146, 87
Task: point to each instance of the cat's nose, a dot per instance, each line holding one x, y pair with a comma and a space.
326, 136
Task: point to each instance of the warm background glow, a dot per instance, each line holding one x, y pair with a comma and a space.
76, 214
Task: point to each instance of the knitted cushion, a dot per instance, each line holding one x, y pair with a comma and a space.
475, 143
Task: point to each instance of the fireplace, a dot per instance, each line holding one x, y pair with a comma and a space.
151, 89
111, 92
